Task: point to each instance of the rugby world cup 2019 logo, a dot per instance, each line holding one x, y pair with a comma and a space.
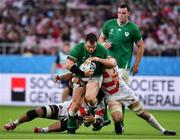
18, 86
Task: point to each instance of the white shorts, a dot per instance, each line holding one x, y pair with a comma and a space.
125, 95
125, 74
86, 80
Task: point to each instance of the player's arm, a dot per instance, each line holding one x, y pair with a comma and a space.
137, 38
89, 119
54, 65
53, 68
104, 41
70, 65
139, 55
66, 77
110, 62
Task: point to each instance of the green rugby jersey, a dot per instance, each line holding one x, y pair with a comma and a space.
80, 54
122, 39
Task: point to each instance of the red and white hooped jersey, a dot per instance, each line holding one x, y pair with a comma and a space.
109, 85
117, 91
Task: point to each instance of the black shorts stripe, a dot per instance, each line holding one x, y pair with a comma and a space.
44, 112
55, 112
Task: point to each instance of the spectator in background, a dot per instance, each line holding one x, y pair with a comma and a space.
154, 17
58, 68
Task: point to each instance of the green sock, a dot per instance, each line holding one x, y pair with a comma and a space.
105, 117
71, 122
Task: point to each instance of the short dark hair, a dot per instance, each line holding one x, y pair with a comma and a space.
91, 38
124, 6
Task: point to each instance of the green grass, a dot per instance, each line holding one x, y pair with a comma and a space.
135, 128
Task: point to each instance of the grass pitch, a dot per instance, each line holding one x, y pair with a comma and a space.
135, 127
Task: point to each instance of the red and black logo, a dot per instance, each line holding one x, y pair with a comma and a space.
18, 89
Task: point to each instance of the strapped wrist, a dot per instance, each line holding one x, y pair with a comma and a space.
74, 69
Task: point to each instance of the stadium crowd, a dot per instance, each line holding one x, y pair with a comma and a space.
42, 26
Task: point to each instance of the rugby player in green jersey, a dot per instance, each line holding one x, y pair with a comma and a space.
78, 56
118, 36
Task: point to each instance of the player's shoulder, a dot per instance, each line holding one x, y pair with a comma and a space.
133, 25
101, 47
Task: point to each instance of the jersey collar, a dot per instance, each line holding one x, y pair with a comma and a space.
123, 24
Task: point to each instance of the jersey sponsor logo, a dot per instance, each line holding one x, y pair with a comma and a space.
18, 86
126, 34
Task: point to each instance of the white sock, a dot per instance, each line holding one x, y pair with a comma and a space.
72, 114
16, 122
92, 106
154, 123
44, 130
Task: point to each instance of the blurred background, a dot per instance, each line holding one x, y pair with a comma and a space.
33, 32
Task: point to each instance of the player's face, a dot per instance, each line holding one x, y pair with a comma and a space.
90, 47
123, 15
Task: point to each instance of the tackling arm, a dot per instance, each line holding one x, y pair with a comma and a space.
108, 63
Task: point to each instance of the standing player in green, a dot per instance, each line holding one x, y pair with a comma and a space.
78, 56
118, 36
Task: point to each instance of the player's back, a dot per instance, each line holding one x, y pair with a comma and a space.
112, 80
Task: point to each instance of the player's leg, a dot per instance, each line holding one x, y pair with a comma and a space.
66, 90
65, 94
139, 110
125, 75
77, 99
30, 115
98, 116
115, 108
49, 111
57, 126
92, 88
106, 119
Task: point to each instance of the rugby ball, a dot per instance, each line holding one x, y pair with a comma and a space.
88, 66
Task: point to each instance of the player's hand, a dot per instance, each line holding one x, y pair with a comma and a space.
89, 119
56, 78
134, 70
90, 59
88, 73
78, 81
107, 45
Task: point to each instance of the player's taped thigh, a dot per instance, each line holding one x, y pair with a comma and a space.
115, 107
136, 107
31, 114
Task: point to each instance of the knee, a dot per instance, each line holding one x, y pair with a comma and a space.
89, 99
75, 105
39, 112
116, 113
